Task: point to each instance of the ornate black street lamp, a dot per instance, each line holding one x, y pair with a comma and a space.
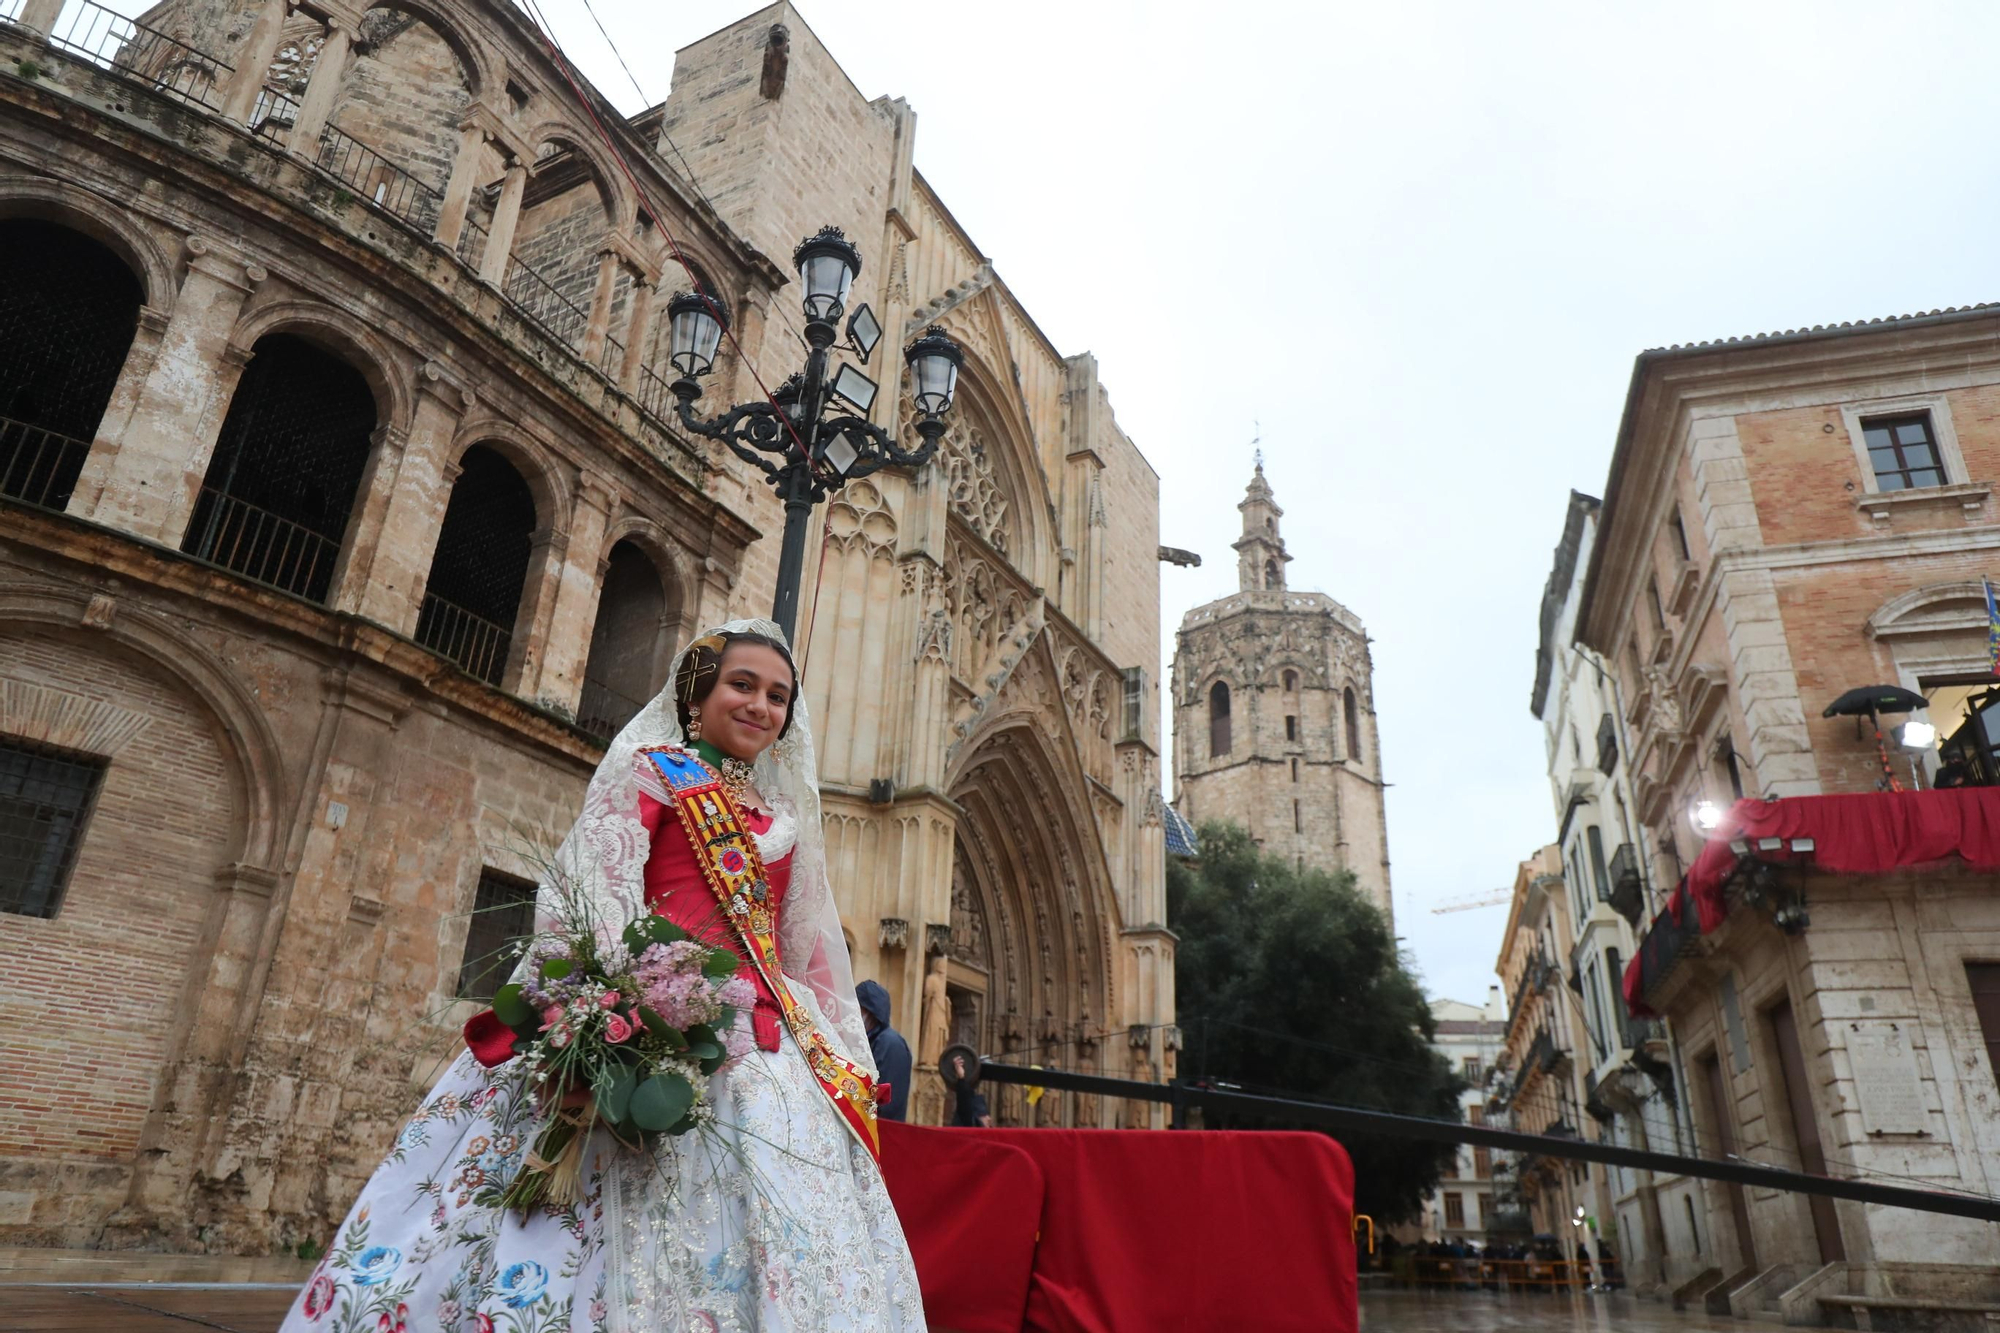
819, 444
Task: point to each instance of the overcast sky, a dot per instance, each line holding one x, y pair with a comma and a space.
1421, 244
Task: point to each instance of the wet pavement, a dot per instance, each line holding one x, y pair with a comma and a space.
257, 1308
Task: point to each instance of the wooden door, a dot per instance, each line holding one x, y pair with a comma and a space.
1805, 1130
1722, 1113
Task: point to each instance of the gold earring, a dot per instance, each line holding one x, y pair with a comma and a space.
694, 724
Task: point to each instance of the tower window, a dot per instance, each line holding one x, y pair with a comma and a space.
1291, 682
1298, 819
1352, 710
1679, 533
1218, 720
1295, 768
1270, 573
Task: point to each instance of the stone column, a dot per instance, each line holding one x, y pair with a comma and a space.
403, 498
40, 15
145, 480
458, 190
638, 334
597, 333
253, 60
579, 582
329, 73
506, 217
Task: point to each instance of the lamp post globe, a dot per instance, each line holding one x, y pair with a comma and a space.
801, 437
694, 331
828, 264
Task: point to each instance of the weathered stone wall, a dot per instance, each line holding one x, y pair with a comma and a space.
405, 95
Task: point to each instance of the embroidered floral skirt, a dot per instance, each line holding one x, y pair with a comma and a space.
772, 1218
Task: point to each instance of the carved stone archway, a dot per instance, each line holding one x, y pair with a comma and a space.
1031, 968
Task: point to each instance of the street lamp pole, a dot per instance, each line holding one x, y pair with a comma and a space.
819, 444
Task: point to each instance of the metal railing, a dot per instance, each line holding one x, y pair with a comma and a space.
1661, 947
11, 9
131, 48
37, 466
378, 180
603, 711
261, 546
656, 395
274, 112
476, 644
1628, 892
537, 299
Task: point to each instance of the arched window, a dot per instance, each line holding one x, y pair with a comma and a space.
280, 487
474, 590
1353, 714
1270, 573
1291, 682
1218, 720
68, 309
626, 660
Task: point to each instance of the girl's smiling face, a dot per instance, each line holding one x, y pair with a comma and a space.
751, 699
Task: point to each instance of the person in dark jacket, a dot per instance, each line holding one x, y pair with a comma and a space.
892, 1053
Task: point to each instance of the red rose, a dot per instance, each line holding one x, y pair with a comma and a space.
490, 1040
483, 1323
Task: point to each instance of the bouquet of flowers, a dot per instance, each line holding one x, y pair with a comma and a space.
639, 1027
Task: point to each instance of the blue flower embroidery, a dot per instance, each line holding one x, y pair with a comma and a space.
523, 1284
376, 1265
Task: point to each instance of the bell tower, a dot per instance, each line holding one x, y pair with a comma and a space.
1260, 551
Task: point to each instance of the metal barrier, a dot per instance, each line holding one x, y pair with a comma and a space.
37, 466
537, 299
137, 51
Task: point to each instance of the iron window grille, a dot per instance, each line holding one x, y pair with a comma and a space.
46, 796
503, 910
1904, 452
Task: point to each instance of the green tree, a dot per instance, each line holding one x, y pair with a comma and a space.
1289, 984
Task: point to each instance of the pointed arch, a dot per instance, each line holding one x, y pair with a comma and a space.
1219, 721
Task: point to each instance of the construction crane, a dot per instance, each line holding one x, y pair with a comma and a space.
1471, 901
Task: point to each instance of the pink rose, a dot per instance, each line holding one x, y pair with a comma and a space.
551, 1016
607, 1000
617, 1029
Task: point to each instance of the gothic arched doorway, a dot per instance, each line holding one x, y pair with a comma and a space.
1030, 966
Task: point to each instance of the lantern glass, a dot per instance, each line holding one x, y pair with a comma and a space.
828, 278
694, 334
933, 381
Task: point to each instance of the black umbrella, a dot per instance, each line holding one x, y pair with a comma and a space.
1868, 700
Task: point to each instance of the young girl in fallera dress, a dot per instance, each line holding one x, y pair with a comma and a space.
773, 1218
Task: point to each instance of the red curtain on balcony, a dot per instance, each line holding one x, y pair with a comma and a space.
1861, 834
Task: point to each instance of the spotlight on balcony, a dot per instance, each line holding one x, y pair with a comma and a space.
1706, 816
1915, 735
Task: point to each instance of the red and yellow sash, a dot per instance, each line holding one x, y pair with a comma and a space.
727, 854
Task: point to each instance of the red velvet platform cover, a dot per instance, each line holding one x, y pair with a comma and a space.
1167, 1231
1860, 833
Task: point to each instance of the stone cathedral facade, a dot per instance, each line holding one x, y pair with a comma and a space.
344, 515
1274, 714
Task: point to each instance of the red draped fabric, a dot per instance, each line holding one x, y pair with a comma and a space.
1863, 833
1169, 1232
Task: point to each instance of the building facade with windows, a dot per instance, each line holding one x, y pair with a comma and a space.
1465, 1207
1274, 714
1537, 1084
1787, 518
1629, 1091
344, 514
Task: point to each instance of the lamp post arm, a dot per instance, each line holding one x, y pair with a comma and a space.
751, 430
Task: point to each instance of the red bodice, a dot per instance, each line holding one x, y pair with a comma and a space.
676, 890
